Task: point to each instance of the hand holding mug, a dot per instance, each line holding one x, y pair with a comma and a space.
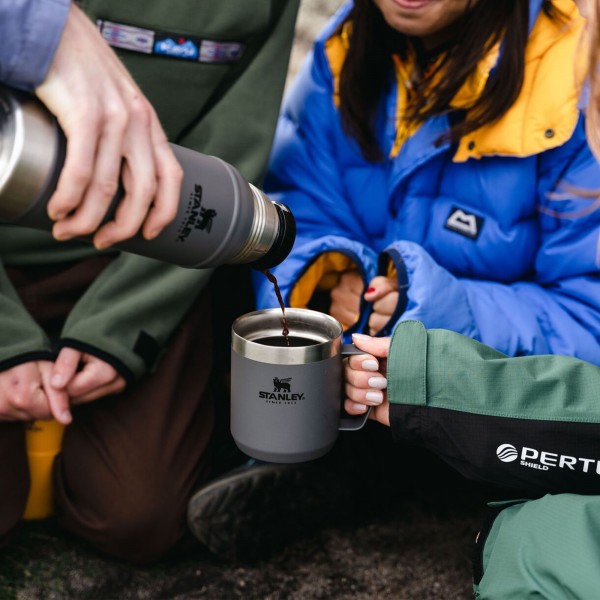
366, 382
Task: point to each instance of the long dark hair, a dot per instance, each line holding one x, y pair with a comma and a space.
366, 71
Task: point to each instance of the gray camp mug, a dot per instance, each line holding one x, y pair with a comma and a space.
286, 400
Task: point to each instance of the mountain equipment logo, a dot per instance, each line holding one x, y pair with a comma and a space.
282, 393
465, 223
507, 453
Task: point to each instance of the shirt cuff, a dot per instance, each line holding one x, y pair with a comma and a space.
42, 29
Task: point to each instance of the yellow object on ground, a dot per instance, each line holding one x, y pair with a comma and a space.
44, 442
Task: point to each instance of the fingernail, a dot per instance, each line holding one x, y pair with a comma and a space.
379, 383
102, 245
56, 380
370, 290
152, 234
359, 407
370, 365
374, 396
67, 415
360, 336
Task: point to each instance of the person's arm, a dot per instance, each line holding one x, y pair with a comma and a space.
112, 132
26, 360
128, 314
51, 48
530, 423
30, 31
553, 310
21, 338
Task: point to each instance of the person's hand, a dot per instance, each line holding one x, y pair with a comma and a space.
365, 376
26, 394
345, 298
383, 292
109, 124
93, 380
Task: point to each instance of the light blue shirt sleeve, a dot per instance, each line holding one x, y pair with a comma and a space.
29, 34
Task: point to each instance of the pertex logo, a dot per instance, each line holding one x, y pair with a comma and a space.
507, 453
543, 460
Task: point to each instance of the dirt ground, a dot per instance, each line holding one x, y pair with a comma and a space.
417, 549
413, 543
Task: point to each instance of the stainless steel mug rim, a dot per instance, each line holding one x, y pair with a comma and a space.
319, 327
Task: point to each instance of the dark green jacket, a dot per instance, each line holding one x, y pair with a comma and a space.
226, 109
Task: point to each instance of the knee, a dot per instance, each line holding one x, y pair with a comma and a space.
137, 527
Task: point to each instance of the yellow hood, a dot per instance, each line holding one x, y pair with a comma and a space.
544, 114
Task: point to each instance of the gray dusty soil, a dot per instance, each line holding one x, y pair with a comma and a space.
409, 536
422, 551
411, 542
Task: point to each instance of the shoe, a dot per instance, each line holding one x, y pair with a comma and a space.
257, 509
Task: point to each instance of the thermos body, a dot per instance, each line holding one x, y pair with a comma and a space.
222, 219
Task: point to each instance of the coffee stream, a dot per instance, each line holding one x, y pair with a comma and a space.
285, 331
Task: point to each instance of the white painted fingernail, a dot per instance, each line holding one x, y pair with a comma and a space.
359, 407
374, 396
370, 365
379, 383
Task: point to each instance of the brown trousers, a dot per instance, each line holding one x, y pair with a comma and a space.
130, 462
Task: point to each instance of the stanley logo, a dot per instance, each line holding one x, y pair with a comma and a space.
282, 393
197, 216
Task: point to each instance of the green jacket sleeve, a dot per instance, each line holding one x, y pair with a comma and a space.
530, 423
128, 314
21, 339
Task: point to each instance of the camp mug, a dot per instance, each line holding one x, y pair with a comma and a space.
286, 401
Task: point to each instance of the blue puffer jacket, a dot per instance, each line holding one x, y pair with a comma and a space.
490, 237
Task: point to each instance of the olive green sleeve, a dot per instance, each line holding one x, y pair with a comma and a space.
21, 339
128, 314
530, 423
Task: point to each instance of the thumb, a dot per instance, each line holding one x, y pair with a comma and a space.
65, 368
376, 346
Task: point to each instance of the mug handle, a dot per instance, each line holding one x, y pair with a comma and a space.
357, 422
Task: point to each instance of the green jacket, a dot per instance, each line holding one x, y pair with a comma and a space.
530, 423
225, 103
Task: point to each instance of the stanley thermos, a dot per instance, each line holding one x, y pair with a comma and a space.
222, 219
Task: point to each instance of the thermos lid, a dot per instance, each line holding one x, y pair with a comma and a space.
29, 148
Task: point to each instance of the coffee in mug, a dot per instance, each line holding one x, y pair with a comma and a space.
286, 399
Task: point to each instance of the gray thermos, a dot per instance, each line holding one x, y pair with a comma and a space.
222, 219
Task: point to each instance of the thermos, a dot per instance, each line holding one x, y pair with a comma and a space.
222, 219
